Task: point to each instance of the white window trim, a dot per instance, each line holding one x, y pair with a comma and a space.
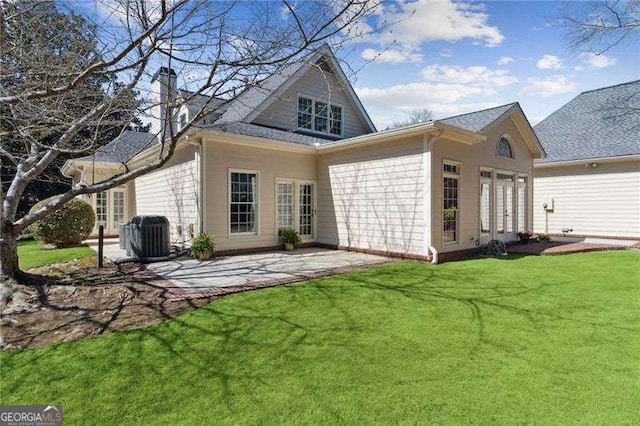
230, 234
458, 177
313, 116
490, 181
520, 186
296, 205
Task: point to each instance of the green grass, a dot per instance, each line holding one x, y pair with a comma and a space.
31, 254
543, 340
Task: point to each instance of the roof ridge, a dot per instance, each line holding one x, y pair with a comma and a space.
609, 87
477, 111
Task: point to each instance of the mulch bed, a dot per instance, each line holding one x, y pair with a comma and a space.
72, 300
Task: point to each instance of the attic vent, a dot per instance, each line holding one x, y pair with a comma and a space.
324, 65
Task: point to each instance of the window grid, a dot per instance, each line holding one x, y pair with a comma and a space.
285, 206
243, 207
450, 210
319, 116
522, 204
118, 208
306, 210
485, 208
504, 148
101, 206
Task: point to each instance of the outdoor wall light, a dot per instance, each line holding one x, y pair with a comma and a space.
592, 165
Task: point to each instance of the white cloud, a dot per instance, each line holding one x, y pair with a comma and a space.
407, 97
446, 53
549, 62
578, 68
545, 87
536, 119
413, 23
475, 75
505, 60
390, 56
600, 61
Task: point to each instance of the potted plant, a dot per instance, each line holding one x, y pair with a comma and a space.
524, 237
290, 238
203, 247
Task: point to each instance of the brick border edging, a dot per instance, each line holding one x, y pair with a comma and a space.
602, 237
180, 293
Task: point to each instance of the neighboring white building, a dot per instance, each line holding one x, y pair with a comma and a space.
589, 183
300, 151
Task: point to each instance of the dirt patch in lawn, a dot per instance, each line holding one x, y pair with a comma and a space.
72, 300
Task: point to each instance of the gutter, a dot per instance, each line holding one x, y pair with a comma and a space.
585, 161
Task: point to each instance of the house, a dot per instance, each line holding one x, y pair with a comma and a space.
589, 183
301, 151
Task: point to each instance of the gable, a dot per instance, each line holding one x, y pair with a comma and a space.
318, 84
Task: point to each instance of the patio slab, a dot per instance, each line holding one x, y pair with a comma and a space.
252, 270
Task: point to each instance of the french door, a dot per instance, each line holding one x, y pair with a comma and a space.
110, 209
295, 205
504, 213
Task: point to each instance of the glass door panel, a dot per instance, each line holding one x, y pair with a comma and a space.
485, 212
285, 205
305, 210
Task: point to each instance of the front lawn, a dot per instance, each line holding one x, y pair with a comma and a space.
31, 254
542, 340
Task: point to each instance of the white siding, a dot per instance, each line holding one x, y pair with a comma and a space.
283, 112
472, 159
171, 192
271, 165
604, 201
373, 198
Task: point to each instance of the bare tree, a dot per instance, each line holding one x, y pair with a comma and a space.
57, 90
600, 25
416, 116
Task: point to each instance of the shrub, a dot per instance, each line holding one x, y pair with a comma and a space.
203, 247
65, 227
290, 236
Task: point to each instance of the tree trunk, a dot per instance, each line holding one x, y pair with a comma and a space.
9, 269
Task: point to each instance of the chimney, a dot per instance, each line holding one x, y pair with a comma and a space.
164, 90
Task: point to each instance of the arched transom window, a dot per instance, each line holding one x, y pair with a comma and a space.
504, 148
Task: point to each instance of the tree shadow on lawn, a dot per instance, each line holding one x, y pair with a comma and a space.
263, 338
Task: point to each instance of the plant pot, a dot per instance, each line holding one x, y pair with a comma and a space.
204, 256
289, 247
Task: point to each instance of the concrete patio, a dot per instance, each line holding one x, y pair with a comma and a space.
251, 270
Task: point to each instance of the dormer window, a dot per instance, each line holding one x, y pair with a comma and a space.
504, 148
318, 116
183, 120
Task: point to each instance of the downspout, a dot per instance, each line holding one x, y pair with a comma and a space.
428, 145
200, 177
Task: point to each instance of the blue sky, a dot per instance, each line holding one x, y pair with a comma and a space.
456, 57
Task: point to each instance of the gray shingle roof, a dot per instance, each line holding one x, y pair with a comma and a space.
245, 103
123, 148
595, 124
267, 132
477, 120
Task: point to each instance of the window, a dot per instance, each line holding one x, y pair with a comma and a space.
101, 206
183, 120
243, 208
450, 203
504, 148
319, 116
522, 204
285, 205
118, 207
